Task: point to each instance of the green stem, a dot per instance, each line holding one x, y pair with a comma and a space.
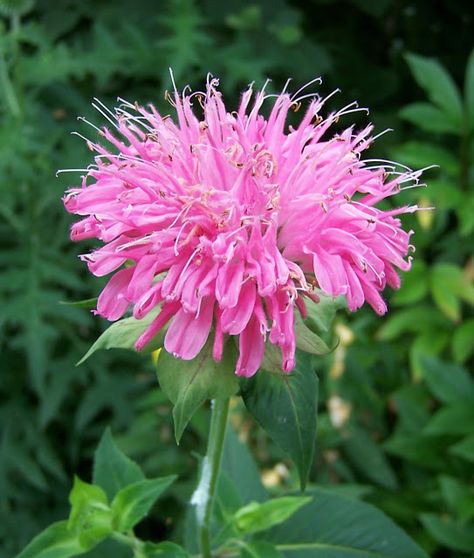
205, 492
131, 541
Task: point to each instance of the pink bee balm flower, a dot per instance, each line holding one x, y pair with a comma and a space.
227, 220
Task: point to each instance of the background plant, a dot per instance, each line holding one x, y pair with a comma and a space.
395, 406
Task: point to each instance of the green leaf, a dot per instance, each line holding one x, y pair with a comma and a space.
445, 284
413, 407
256, 517
457, 418
271, 361
259, 549
332, 526
428, 118
134, 502
448, 382
123, 335
285, 405
469, 89
444, 195
113, 470
417, 319
465, 214
368, 458
321, 314
464, 448
238, 463
227, 498
414, 285
162, 550
428, 344
110, 547
419, 154
90, 516
456, 535
88, 303
463, 341
438, 85
426, 451
458, 495
189, 383
56, 541
307, 340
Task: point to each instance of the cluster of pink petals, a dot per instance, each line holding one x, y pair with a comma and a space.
228, 220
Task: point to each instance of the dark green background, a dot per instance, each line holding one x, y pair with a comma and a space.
55, 57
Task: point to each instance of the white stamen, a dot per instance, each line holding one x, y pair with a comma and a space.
379, 135
324, 99
87, 140
61, 171
351, 111
417, 185
138, 242
287, 84
391, 163
83, 119
182, 213
105, 112
387, 168
173, 81
125, 103
265, 85
294, 98
307, 96
140, 120
176, 251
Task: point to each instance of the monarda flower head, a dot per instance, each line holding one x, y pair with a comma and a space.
228, 220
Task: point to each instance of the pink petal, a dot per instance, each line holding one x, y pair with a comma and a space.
372, 296
218, 346
143, 276
229, 282
161, 320
355, 294
148, 301
330, 273
113, 301
188, 332
235, 319
252, 347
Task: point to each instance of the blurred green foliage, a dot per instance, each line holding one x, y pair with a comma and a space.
396, 423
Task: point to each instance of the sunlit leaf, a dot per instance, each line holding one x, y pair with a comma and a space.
132, 503
90, 516
56, 541
255, 517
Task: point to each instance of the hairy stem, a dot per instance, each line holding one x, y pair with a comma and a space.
203, 497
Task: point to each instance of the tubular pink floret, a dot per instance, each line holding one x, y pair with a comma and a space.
226, 220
